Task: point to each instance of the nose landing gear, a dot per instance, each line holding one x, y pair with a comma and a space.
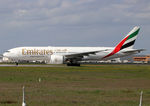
17, 63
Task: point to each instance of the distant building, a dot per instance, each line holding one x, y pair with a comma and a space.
141, 59
115, 60
125, 61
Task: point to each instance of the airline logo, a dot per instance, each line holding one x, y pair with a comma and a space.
36, 52
42, 51
130, 39
127, 42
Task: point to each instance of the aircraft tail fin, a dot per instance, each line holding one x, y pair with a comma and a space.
128, 41
131, 37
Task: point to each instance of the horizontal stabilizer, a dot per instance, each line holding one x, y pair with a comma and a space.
134, 51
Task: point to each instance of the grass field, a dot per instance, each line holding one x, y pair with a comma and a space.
88, 85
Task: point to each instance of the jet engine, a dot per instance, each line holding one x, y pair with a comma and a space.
56, 59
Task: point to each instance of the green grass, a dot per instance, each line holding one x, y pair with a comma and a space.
88, 85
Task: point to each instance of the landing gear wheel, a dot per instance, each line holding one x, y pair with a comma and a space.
17, 63
73, 64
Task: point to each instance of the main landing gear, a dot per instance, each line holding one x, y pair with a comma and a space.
73, 64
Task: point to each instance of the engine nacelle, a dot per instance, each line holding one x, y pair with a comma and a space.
56, 59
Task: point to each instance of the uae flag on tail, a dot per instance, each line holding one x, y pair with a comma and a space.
131, 37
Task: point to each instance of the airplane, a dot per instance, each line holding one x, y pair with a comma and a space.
72, 56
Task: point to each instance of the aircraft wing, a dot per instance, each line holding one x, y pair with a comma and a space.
80, 55
134, 51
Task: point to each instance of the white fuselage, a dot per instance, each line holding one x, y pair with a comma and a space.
45, 53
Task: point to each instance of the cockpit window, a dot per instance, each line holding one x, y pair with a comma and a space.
7, 51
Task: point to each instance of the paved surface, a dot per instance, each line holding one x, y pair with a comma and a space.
37, 65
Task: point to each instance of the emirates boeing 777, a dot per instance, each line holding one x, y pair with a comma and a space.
73, 55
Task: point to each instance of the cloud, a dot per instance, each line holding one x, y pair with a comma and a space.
62, 17
69, 12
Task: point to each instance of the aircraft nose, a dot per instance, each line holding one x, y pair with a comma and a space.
5, 54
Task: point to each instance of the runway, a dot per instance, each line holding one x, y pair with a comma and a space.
32, 65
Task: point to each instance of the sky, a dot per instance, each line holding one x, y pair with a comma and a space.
72, 22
